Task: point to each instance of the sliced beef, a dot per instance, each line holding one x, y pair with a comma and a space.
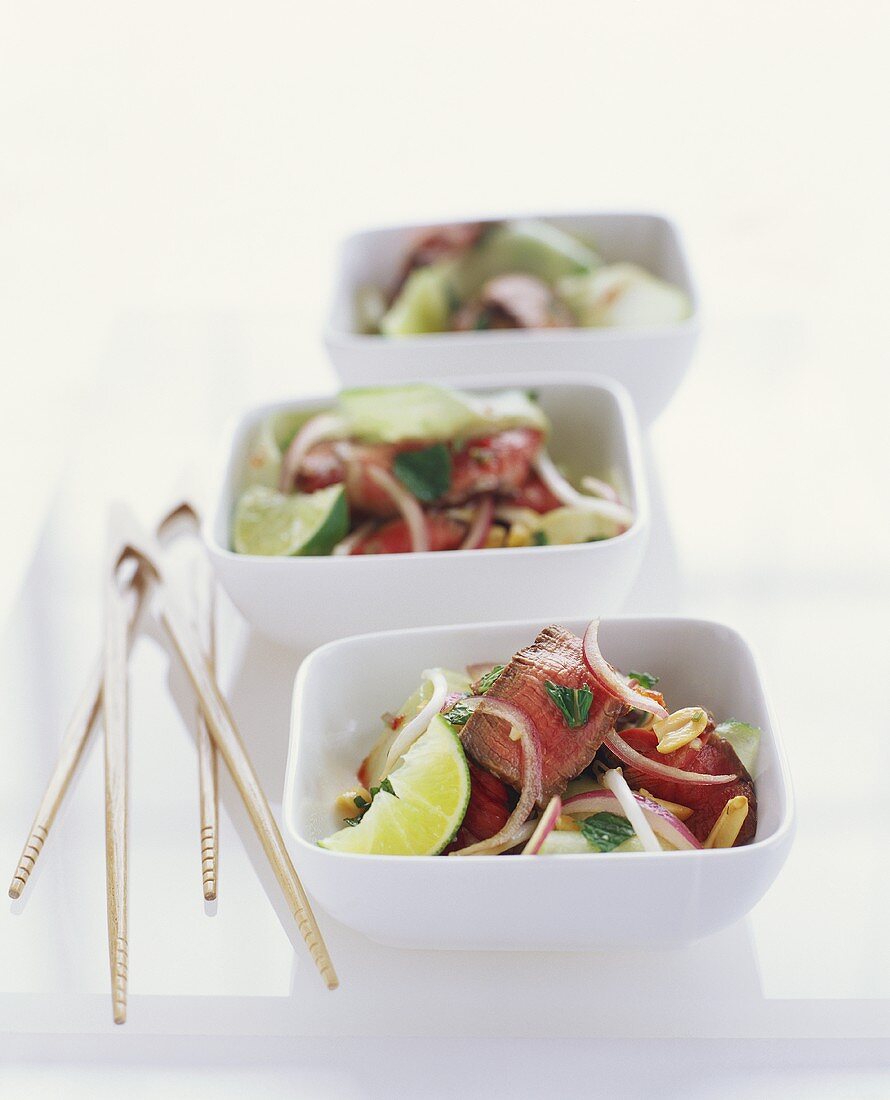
534, 494
439, 242
715, 757
554, 656
487, 811
513, 301
394, 537
500, 462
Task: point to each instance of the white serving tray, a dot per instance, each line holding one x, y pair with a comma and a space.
236, 972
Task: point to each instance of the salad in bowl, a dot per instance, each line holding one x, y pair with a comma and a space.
415, 468
523, 273
552, 753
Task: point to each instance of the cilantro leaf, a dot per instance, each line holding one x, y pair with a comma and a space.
606, 831
425, 473
459, 714
485, 682
573, 702
644, 679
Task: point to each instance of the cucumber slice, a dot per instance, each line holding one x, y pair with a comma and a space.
273, 524
423, 304
744, 739
568, 526
390, 414
623, 295
526, 246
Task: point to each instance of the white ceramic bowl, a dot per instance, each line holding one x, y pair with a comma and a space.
627, 900
650, 362
303, 602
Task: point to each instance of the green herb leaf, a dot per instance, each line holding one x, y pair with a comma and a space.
361, 803
425, 473
644, 679
483, 321
459, 714
353, 820
573, 702
485, 682
385, 785
539, 538
606, 831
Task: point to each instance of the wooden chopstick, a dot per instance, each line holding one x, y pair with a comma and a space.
80, 727
222, 728
205, 589
116, 721
184, 519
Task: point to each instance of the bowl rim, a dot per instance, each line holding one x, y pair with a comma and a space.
346, 337
782, 834
627, 423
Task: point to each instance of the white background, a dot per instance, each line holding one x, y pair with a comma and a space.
183, 160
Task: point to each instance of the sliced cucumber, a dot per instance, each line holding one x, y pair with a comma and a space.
744, 739
623, 295
273, 524
568, 526
390, 414
423, 304
526, 246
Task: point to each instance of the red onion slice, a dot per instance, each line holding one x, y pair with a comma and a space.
531, 774
569, 495
597, 488
616, 744
545, 826
418, 724
345, 547
407, 505
480, 526
611, 680
662, 821
319, 428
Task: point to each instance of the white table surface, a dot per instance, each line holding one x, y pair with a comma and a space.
167, 249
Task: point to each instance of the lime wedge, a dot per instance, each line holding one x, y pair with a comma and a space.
274, 524
564, 526
432, 789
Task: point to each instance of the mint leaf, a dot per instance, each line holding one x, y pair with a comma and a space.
459, 714
485, 682
539, 538
573, 702
644, 679
425, 473
606, 831
385, 785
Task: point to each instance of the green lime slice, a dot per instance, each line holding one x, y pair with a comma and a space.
564, 526
274, 524
432, 789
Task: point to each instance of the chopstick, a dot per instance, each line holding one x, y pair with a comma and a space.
184, 520
207, 760
222, 728
80, 726
116, 721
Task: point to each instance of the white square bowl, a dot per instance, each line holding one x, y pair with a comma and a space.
649, 361
573, 902
304, 602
